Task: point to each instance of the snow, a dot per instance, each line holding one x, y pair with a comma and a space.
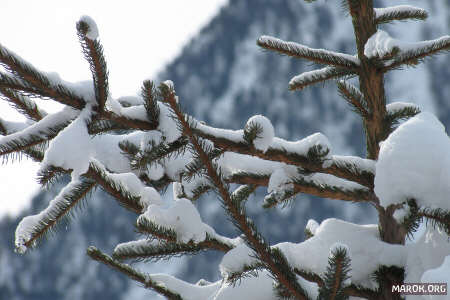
428, 252
302, 146
414, 163
236, 259
439, 275
312, 226
381, 44
265, 137
362, 164
279, 180
364, 244
183, 218
260, 288
167, 125
92, 32
398, 106
64, 152
232, 135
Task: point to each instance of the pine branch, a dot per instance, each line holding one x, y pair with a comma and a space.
153, 230
395, 116
399, 13
274, 260
155, 154
33, 228
336, 275
99, 174
35, 153
306, 79
16, 84
48, 175
35, 134
144, 279
23, 104
362, 292
415, 56
438, 217
38, 80
149, 95
319, 56
354, 98
93, 52
144, 250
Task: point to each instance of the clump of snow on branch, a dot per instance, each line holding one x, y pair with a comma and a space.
92, 32
414, 163
183, 218
266, 134
312, 226
236, 259
363, 241
398, 106
302, 146
63, 152
381, 44
280, 180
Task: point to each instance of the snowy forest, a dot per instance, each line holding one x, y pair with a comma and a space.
161, 160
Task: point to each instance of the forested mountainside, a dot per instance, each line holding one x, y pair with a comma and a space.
223, 78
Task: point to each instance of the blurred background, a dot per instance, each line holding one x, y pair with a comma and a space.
208, 49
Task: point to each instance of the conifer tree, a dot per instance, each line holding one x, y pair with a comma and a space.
134, 148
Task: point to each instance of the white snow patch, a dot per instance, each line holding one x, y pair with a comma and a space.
312, 226
183, 218
414, 163
72, 147
235, 260
382, 44
440, 274
265, 137
92, 32
397, 106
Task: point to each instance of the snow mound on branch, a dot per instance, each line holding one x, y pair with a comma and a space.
367, 251
414, 162
64, 152
265, 138
236, 259
381, 44
312, 226
183, 218
92, 32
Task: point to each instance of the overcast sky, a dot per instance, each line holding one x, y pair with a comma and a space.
139, 38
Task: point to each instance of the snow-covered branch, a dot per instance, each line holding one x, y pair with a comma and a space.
399, 13
319, 56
